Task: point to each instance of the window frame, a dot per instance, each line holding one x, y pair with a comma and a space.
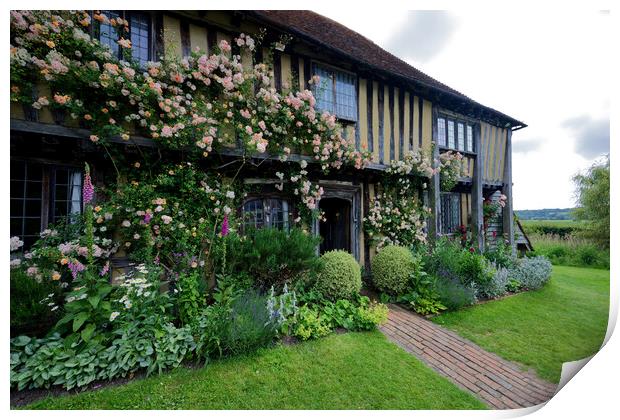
456, 122
268, 221
47, 198
452, 198
127, 15
334, 70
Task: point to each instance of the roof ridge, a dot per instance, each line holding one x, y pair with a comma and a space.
387, 51
344, 40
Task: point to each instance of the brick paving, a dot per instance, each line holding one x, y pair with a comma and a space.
496, 382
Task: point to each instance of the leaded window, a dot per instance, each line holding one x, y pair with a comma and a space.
66, 194
336, 92
139, 34
108, 34
451, 134
266, 213
455, 134
42, 194
460, 136
441, 131
450, 212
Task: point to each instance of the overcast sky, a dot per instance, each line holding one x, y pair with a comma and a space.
550, 70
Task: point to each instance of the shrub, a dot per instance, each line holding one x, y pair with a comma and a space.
33, 311
501, 256
340, 276
470, 269
588, 255
392, 269
498, 284
273, 257
474, 268
250, 325
453, 294
532, 273
445, 255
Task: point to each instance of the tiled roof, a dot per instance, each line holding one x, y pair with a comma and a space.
338, 37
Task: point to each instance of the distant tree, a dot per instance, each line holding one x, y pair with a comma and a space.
592, 193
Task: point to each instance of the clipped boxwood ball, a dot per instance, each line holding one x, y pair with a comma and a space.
340, 276
391, 269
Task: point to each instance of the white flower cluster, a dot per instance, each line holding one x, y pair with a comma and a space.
136, 285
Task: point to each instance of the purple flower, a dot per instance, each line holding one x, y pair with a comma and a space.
105, 269
225, 226
147, 218
76, 267
88, 190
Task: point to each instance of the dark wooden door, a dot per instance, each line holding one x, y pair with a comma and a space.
336, 229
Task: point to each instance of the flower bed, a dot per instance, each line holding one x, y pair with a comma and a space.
450, 276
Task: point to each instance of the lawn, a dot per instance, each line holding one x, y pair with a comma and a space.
342, 371
566, 320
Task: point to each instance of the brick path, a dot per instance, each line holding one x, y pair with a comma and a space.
498, 383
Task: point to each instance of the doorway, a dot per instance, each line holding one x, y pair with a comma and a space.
336, 229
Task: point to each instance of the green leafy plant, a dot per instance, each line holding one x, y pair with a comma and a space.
392, 269
532, 273
310, 325
340, 276
35, 306
189, 298
453, 294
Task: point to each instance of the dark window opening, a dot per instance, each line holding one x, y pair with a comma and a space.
42, 194
450, 212
266, 213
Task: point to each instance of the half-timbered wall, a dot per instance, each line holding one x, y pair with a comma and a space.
493, 149
392, 118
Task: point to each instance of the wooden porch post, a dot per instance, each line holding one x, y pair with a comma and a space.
477, 228
507, 212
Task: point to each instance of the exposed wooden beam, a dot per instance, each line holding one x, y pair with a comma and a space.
508, 215
477, 222
434, 190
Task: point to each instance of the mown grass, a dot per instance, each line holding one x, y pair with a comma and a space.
565, 320
347, 371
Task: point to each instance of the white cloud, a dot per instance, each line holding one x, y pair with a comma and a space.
541, 68
433, 27
592, 135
